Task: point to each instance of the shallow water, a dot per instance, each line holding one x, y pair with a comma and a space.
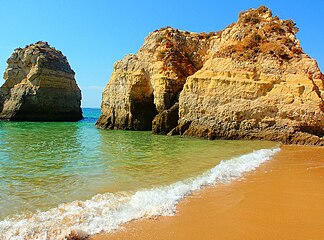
46, 164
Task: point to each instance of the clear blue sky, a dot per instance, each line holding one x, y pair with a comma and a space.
93, 34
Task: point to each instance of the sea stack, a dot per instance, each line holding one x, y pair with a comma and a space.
251, 80
39, 86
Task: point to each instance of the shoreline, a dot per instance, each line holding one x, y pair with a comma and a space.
282, 199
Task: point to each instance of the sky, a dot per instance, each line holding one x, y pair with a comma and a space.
93, 34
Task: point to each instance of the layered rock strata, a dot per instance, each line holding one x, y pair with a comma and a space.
39, 86
250, 81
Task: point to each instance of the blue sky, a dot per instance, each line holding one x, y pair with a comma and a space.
93, 34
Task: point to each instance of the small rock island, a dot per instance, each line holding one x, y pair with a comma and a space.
251, 80
39, 86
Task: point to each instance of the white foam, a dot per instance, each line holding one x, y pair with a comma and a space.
106, 212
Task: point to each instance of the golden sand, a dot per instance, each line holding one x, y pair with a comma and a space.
283, 199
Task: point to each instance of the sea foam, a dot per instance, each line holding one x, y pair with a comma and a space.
106, 212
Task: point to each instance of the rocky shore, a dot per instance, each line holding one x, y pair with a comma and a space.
39, 86
251, 80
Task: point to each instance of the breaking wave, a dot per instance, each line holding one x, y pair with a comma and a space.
106, 212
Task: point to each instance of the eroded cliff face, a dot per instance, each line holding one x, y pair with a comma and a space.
250, 81
39, 86
149, 82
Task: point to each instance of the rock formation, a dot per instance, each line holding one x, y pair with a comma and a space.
162, 65
250, 81
39, 86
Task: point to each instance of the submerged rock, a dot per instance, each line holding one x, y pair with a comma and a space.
250, 81
39, 86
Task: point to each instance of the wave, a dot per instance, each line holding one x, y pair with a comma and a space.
106, 212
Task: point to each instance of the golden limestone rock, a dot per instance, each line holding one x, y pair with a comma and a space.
39, 86
149, 82
250, 81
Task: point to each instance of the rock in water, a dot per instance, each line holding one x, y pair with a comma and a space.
39, 86
165, 121
149, 82
250, 81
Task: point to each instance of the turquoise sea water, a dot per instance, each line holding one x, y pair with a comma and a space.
45, 164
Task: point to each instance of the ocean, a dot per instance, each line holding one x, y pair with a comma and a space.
58, 177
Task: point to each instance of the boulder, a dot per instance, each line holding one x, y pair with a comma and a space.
39, 86
165, 121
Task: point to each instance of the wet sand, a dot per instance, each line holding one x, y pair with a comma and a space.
283, 199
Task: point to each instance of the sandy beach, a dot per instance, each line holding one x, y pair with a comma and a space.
283, 199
